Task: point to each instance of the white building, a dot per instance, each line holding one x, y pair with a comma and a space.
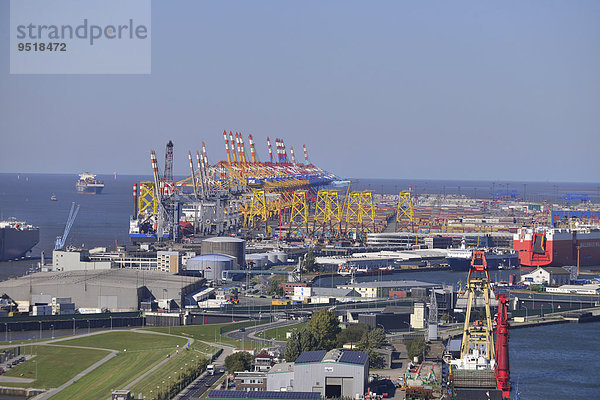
593, 289
553, 276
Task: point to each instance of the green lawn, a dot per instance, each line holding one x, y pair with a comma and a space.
142, 352
207, 333
55, 365
126, 340
169, 372
279, 333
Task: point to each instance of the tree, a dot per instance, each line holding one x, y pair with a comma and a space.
324, 327
374, 339
417, 348
309, 264
293, 348
275, 288
352, 334
375, 360
241, 361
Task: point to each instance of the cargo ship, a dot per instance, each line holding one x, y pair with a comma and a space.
557, 247
88, 184
460, 259
17, 238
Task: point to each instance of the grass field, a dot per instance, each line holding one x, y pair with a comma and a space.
279, 333
138, 352
207, 333
169, 372
55, 365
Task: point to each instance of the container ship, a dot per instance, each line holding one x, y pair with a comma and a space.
17, 238
557, 247
88, 184
460, 259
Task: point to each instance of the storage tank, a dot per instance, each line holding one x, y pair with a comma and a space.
230, 246
211, 265
272, 257
260, 260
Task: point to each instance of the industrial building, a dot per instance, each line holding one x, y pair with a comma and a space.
547, 276
112, 289
336, 373
593, 289
382, 289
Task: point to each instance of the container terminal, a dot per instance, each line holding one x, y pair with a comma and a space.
242, 239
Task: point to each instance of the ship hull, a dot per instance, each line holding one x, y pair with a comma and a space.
89, 189
15, 243
558, 248
494, 262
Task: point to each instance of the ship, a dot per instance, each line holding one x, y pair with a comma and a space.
88, 184
558, 247
17, 238
348, 270
460, 259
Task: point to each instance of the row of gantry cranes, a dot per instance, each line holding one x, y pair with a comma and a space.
280, 196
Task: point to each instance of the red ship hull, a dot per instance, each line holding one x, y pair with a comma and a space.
557, 247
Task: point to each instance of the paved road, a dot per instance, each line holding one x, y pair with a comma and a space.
201, 385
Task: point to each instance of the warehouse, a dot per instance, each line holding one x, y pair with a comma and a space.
382, 289
336, 373
113, 289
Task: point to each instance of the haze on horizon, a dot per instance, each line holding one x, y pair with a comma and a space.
438, 90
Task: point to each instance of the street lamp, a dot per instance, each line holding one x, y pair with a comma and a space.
52, 327
73, 326
525, 312
110, 316
40, 329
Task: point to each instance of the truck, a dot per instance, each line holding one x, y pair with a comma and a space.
210, 369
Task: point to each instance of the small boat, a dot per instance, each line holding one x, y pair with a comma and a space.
53, 197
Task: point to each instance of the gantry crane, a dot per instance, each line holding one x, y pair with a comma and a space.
478, 335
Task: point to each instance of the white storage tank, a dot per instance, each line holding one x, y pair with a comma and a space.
211, 265
260, 260
277, 257
272, 257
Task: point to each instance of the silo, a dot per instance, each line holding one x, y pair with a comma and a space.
211, 265
260, 260
272, 256
230, 246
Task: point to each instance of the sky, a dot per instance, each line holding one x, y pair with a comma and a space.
427, 90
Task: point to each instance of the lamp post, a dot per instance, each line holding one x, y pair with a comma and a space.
110, 322
52, 327
40, 329
525, 312
73, 326
88, 321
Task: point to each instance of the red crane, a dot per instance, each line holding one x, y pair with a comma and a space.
502, 368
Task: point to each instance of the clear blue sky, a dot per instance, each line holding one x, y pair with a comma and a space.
436, 90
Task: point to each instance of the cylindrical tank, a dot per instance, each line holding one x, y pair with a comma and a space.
211, 265
260, 260
272, 256
230, 246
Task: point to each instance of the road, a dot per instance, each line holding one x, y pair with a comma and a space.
201, 385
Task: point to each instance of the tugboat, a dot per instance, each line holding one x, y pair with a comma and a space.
89, 184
